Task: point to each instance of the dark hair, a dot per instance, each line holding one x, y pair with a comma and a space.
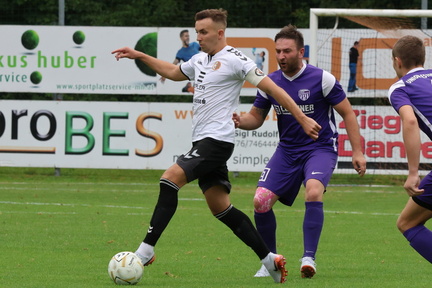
410, 50
356, 43
217, 15
291, 32
183, 31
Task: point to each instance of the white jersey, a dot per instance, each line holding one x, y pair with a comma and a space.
218, 82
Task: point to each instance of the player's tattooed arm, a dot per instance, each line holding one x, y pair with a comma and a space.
251, 120
258, 112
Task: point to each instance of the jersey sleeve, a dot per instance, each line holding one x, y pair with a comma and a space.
331, 89
241, 65
187, 68
398, 96
261, 100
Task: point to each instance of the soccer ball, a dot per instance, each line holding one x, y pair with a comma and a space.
125, 268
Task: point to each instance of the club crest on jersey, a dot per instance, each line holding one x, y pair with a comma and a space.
216, 65
258, 72
304, 94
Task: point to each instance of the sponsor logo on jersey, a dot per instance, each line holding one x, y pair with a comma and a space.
199, 101
306, 109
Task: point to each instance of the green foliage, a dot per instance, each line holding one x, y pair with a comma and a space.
172, 13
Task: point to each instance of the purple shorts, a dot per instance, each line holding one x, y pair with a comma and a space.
425, 200
287, 170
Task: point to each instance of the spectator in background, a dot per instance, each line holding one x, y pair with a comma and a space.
353, 58
259, 59
186, 51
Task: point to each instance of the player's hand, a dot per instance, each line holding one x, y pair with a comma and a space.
311, 128
411, 185
126, 52
236, 120
359, 163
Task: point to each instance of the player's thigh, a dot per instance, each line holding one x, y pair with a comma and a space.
176, 175
283, 175
217, 198
205, 157
319, 165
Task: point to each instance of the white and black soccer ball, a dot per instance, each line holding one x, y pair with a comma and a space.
125, 268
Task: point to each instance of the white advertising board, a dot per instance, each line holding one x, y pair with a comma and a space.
78, 59
125, 135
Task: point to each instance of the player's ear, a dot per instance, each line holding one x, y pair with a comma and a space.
398, 62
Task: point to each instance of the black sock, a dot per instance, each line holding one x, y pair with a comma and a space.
243, 228
163, 212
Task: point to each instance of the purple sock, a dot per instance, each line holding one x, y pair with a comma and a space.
420, 239
266, 226
312, 227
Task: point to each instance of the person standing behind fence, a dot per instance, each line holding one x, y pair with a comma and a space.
353, 58
411, 98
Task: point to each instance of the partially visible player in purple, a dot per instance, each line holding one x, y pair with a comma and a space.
298, 158
411, 98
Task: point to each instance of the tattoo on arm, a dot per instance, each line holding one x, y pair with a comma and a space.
261, 112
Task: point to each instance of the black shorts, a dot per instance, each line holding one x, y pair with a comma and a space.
206, 161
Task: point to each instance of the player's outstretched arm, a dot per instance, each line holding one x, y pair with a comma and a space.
309, 125
163, 68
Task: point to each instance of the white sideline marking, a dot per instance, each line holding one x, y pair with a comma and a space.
183, 199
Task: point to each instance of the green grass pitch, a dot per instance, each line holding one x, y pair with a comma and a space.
61, 231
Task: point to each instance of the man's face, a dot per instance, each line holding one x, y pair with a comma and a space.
207, 34
288, 56
185, 38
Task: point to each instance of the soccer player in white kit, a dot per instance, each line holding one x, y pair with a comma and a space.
218, 73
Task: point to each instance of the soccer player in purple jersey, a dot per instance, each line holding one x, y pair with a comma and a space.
220, 73
411, 98
298, 158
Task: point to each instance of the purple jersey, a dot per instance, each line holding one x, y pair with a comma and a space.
415, 89
315, 91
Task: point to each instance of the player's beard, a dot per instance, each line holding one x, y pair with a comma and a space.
290, 67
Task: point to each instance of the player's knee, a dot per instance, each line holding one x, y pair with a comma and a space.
402, 224
263, 200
